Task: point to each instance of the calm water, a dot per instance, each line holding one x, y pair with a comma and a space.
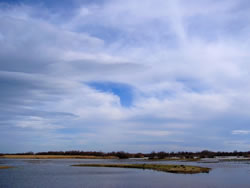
59, 173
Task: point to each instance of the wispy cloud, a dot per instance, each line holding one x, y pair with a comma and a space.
168, 70
241, 132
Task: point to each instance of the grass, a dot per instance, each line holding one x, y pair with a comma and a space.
5, 167
56, 157
158, 167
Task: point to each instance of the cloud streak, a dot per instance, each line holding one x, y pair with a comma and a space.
241, 132
163, 72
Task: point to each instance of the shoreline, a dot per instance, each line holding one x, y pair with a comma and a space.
199, 160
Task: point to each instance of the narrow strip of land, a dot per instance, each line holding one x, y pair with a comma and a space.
56, 157
158, 167
5, 167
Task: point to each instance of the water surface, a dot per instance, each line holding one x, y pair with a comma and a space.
35, 173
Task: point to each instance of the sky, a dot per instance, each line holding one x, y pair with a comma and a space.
112, 75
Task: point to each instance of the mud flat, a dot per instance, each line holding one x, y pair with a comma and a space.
183, 169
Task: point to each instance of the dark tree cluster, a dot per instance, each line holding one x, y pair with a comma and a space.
26, 153
119, 154
191, 155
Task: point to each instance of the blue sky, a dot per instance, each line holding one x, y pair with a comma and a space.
129, 75
123, 91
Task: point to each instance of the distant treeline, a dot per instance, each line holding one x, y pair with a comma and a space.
191, 155
152, 155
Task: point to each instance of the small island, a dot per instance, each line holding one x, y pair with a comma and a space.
183, 169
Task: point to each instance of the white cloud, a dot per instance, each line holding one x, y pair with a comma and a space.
180, 75
241, 132
33, 122
151, 133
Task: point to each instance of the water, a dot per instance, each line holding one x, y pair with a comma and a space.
58, 173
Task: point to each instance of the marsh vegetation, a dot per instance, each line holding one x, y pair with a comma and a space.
190, 156
184, 169
5, 167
